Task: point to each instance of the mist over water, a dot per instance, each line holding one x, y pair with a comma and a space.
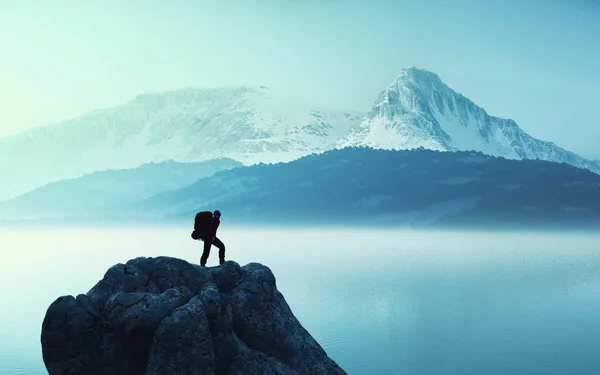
378, 301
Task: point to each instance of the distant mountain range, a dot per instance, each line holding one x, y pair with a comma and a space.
253, 125
93, 192
368, 187
191, 125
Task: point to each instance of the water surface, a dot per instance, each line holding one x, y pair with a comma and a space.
378, 301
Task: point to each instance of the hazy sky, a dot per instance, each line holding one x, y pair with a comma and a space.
536, 61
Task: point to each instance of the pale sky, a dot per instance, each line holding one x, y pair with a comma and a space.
535, 61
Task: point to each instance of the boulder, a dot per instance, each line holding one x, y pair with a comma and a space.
166, 316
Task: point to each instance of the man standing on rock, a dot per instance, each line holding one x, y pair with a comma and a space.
205, 229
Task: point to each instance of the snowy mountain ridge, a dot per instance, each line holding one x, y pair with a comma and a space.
254, 125
419, 110
247, 124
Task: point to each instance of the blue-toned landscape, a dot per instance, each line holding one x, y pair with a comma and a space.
388, 187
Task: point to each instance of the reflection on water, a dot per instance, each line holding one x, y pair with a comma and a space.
379, 302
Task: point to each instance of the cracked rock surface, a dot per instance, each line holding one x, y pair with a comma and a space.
166, 316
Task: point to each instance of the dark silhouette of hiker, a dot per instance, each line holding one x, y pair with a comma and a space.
205, 229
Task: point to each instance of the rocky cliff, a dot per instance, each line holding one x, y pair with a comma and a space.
166, 316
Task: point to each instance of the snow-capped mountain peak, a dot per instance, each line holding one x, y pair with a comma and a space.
419, 110
420, 79
414, 89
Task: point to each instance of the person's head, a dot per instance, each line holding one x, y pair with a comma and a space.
217, 214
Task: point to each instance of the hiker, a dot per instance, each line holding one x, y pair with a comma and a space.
205, 229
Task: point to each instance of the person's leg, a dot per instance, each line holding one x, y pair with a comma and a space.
205, 252
217, 242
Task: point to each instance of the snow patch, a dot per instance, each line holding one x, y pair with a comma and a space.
465, 133
389, 134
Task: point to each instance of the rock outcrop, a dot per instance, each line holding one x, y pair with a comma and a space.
165, 316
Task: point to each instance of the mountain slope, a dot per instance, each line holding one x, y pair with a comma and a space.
416, 187
90, 193
253, 124
419, 110
243, 123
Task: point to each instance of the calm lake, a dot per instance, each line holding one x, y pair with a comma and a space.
379, 301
